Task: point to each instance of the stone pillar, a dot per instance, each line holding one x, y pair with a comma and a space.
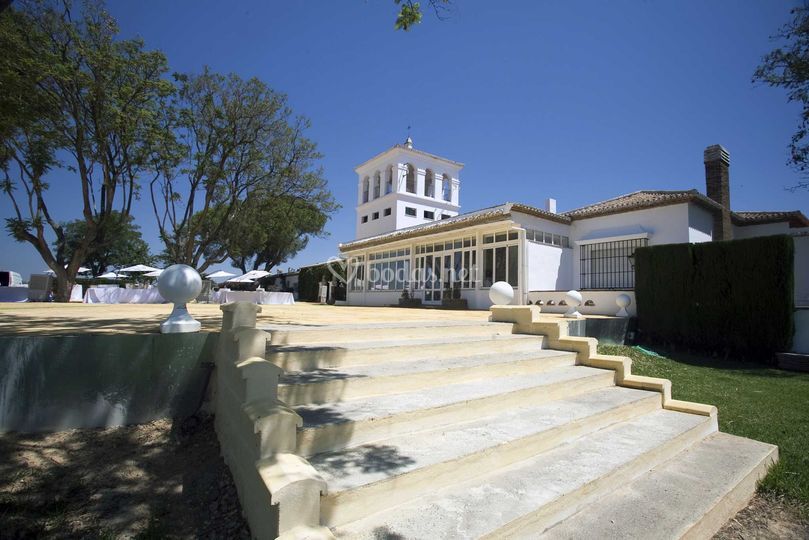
420, 174
717, 187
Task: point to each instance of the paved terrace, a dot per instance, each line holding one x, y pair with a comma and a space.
64, 319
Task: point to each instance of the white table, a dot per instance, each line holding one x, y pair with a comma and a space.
116, 295
13, 294
223, 296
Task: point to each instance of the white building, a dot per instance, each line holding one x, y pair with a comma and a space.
411, 237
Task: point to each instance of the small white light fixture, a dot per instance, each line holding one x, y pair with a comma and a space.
501, 293
574, 300
623, 300
179, 284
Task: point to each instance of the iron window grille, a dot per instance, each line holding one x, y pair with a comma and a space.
607, 265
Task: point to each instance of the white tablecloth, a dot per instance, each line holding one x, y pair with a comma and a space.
257, 297
75, 293
116, 295
13, 294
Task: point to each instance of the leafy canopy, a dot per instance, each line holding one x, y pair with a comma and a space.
788, 67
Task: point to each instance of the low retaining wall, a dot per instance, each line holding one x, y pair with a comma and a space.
52, 383
603, 302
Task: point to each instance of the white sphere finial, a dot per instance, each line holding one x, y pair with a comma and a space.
623, 300
179, 284
574, 300
501, 293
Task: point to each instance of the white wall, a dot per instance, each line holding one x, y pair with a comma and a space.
550, 268
700, 224
665, 225
604, 302
766, 229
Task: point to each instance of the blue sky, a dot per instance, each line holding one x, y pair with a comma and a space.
580, 101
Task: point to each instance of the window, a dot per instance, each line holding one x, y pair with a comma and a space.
389, 270
410, 211
410, 180
365, 188
429, 215
445, 216
356, 273
375, 215
365, 219
387, 211
389, 180
377, 185
547, 238
607, 266
429, 184
446, 188
501, 258
446, 265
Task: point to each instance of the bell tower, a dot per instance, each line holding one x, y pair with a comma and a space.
403, 187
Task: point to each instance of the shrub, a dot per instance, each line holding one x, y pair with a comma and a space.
733, 297
310, 277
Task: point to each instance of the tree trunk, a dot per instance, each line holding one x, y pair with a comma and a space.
64, 286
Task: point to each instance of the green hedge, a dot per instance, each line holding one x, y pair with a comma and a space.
732, 297
309, 279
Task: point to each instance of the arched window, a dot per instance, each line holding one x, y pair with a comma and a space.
377, 185
410, 182
446, 188
389, 180
429, 184
365, 189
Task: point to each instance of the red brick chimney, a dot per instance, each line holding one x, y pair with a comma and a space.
717, 187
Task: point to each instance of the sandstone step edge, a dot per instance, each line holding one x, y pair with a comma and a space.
691, 496
300, 358
452, 505
372, 332
339, 507
334, 436
345, 388
567, 505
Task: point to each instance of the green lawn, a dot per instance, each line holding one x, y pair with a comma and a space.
754, 401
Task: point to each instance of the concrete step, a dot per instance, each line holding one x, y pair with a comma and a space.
691, 496
376, 476
305, 335
543, 490
352, 382
337, 425
318, 356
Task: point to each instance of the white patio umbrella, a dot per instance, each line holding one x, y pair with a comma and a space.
81, 270
155, 273
241, 279
220, 274
256, 274
139, 268
111, 275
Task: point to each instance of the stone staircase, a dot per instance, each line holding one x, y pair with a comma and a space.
468, 430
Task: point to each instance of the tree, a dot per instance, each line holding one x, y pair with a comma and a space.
233, 139
74, 99
788, 67
271, 230
410, 12
120, 244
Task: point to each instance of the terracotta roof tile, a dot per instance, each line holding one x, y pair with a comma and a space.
640, 200
794, 217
